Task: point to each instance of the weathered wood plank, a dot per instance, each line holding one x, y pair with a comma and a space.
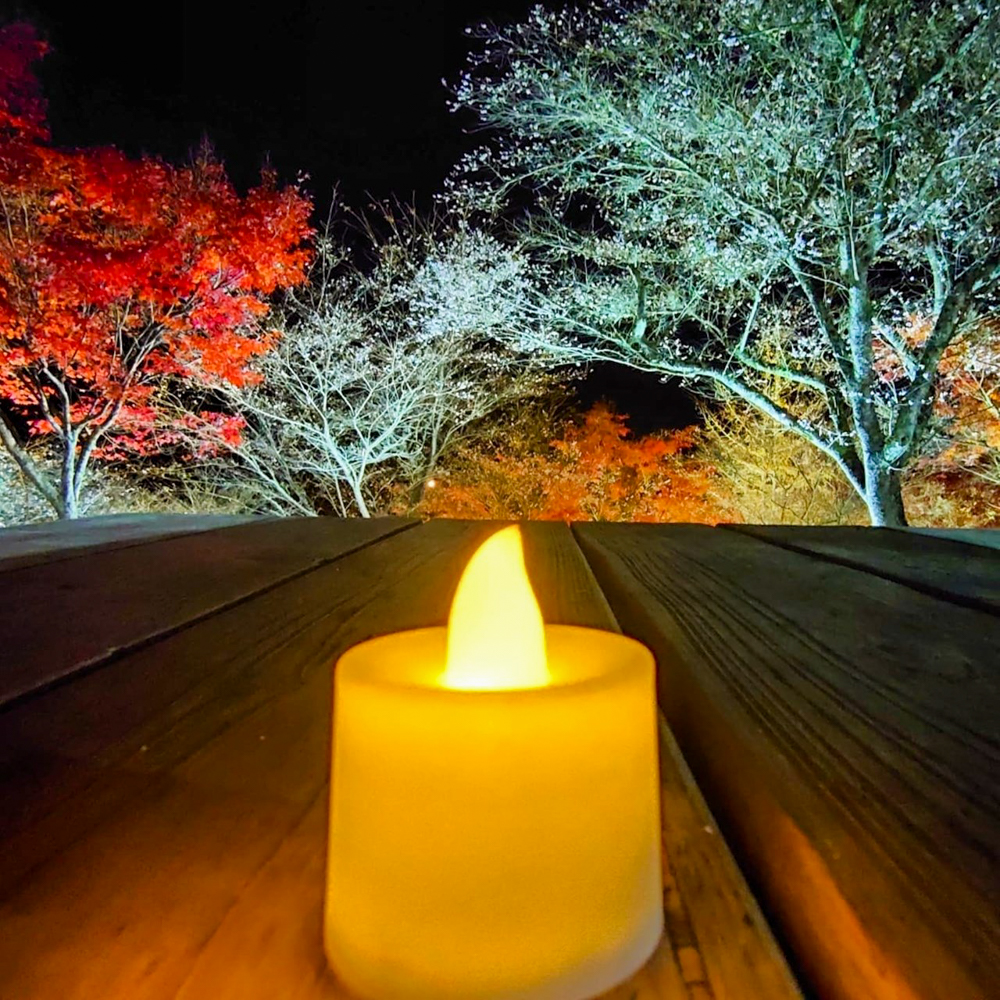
175, 845
723, 945
942, 567
55, 620
717, 943
990, 537
845, 732
71, 753
226, 770
52, 541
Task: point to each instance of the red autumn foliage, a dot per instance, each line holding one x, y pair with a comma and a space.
596, 471
119, 274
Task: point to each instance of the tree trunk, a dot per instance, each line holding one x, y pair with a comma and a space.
45, 487
68, 493
70, 508
359, 499
884, 497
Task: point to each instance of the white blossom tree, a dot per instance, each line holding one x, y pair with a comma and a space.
380, 371
717, 178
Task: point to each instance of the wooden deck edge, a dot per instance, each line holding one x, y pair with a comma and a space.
16, 695
980, 538
56, 541
699, 861
884, 573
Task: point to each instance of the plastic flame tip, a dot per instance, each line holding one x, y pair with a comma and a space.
496, 637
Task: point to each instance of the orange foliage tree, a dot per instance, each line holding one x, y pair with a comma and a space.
118, 275
597, 470
955, 477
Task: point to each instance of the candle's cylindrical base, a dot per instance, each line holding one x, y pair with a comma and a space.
492, 845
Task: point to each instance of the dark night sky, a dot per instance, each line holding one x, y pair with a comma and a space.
349, 93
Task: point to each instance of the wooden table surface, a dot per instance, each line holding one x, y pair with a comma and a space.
164, 740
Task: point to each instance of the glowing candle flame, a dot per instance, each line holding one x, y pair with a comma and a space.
496, 637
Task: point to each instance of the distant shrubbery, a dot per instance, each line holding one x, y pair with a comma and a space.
586, 468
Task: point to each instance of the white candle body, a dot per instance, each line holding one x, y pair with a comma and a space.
492, 845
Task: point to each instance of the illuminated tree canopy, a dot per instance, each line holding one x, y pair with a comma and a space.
119, 276
379, 372
742, 191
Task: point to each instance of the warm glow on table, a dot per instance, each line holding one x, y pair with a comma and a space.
496, 841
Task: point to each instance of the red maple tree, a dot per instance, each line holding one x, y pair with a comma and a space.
119, 276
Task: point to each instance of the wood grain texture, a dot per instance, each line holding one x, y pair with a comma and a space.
53, 541
845, 731
169, 838
942, 567
54, 621
989, 537
717, 944
120, 886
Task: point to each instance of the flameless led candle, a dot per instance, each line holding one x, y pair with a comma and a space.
494, 812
